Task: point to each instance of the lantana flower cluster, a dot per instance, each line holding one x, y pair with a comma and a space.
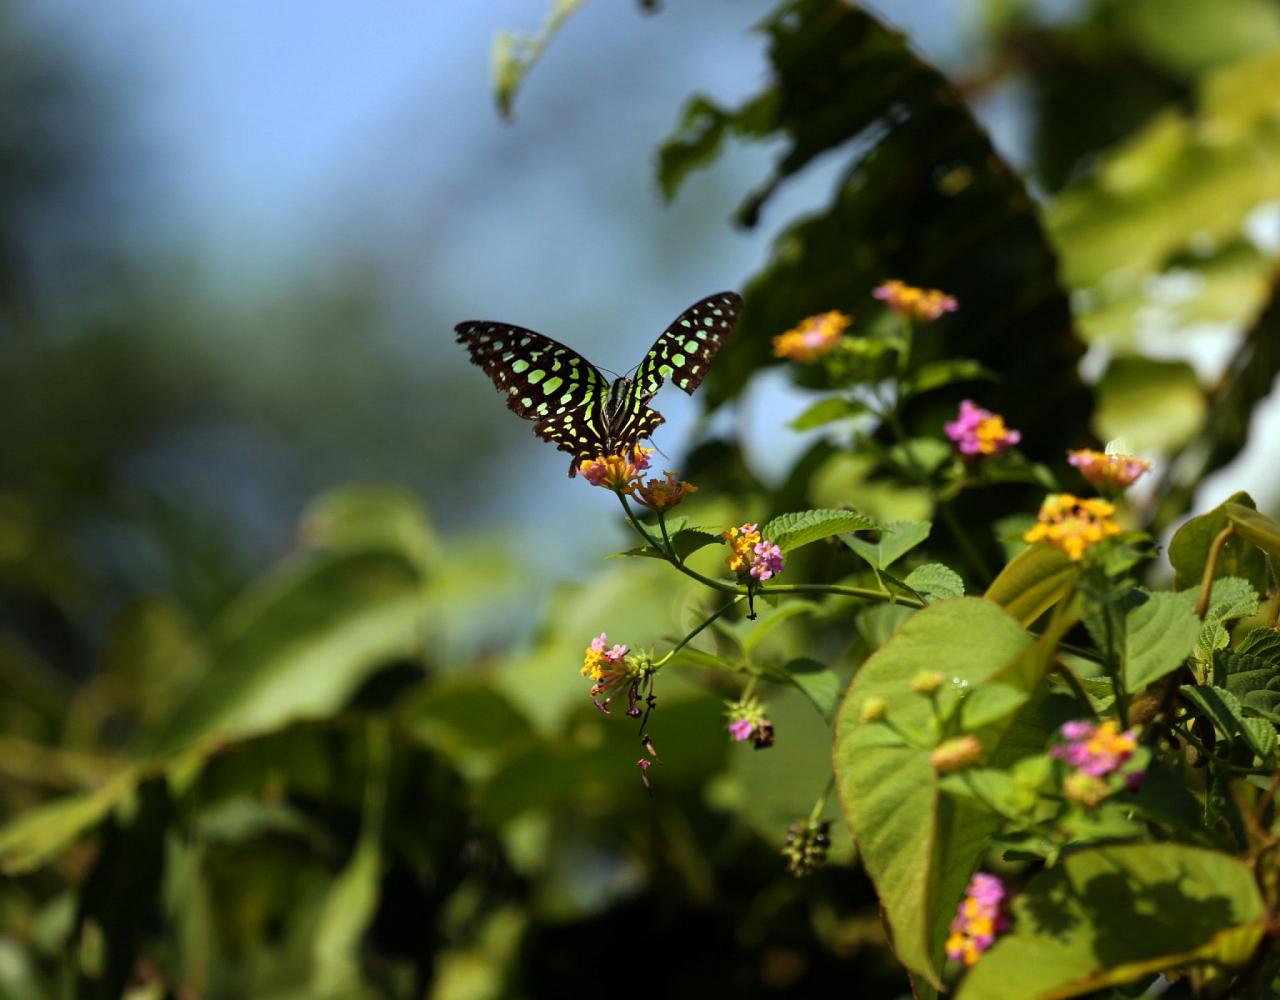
1109, 474
979, 433
979, 919
616, 472
1098, 754
812, 338
658, 494
610, 668
918, 303
1073, 524
752, 555
747, 721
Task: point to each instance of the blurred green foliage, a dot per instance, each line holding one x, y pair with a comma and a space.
343, 770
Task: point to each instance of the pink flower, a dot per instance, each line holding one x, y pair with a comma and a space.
1095, 750
741, 729
1108, 474
920, 303
979, 433
979, 919
768, 560
608, 667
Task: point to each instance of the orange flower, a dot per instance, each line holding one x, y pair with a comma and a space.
659, 495
812, 338
919, 303
616, 472
1106, 473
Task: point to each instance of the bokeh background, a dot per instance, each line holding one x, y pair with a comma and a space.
234, 240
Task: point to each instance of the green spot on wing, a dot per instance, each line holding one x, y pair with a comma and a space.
537, 376
520, 366
552, 384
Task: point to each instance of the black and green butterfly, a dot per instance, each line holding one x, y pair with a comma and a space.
574, 406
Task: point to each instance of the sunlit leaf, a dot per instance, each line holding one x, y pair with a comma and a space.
791, 531
1189, 549
918, 846
893, 542
1113, 915
1033, 581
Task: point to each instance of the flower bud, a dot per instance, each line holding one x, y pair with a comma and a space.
956, 754
873, 709
927, 681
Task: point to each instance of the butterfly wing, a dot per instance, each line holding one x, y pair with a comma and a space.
684, 351
543, 381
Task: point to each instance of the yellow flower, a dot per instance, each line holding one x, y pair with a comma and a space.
659, 495
742, 543
1072, 524
812, 338
616, 472
919, 303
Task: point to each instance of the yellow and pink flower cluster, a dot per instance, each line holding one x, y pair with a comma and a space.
812, 338
918, 303
979, 919
752, 555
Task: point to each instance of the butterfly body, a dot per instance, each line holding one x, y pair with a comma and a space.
571, 403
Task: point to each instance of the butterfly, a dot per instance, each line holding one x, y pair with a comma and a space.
571, 403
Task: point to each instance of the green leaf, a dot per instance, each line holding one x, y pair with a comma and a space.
1033, 581
791, 531
515, 55
1254, 527
1254, 679
1189, 549
826, 411
1249, 378
1156, 405
31, 838
298, 644
1231, 597
918, 846
818, 682
920, 455
1160, 633
1261, 734
685, 542
1213, 161
368, 518
1227, 713
465, 719
1118, 914
916, 170
935, 582
895, 541
936, 374
352, 900
1261, 643
749, 633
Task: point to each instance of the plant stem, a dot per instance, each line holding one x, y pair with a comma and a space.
692, 635
972, 555
1210, 566
818, 807
862, 593
1208, 755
